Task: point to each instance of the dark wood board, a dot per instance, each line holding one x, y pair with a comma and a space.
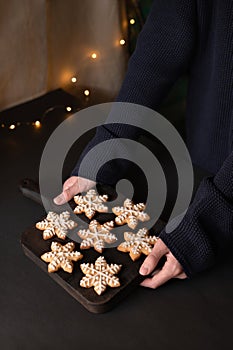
34, 246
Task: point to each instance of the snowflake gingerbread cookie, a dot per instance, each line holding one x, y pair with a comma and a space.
56, 224
97, 235
100, 275
90, 204
61, 257
137, 243
130, 214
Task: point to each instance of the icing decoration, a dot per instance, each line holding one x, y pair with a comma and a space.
100, 275
61, 257
56, 224
137, 243
97, 235
90, 204
130, 214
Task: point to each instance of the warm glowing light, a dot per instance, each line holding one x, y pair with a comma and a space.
69, 109
37, 123
94, 55
132, 21
122, 42
73, 79
3, 125
12, 126
86, 92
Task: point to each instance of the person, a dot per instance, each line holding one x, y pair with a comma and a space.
180, 36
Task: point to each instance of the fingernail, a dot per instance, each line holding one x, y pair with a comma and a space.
143, 270
59, 199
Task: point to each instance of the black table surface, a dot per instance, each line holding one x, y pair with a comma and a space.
36, 313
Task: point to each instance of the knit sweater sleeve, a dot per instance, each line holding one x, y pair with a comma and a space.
163, 52
206, 231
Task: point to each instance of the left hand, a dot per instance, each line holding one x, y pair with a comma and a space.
171, 268
71, 187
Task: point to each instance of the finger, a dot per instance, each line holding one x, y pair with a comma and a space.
153, 258
155, 272
66, 195
63, 198
60, 199
171, 269
149, 264
71, 187
158, 279
181, 276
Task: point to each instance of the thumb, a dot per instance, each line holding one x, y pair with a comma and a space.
151, 261
66, 195
71, 187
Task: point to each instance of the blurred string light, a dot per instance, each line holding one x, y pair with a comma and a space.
37, 124
94, 55
86, 92
135, 12
134, 17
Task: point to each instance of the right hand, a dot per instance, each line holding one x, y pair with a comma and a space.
171, 268
71, 187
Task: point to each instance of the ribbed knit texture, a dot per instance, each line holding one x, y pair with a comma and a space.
164, 49
184, 36
206, 232
194, 36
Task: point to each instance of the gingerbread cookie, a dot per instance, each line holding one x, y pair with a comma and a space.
100, 275
130, 214
61, 257
90, 204
56, 224
137, 243
97, 235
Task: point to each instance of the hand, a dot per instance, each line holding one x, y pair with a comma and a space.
171, 268
71, 187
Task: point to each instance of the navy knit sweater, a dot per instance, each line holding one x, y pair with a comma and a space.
194, 36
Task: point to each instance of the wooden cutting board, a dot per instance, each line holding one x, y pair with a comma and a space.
34, 246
